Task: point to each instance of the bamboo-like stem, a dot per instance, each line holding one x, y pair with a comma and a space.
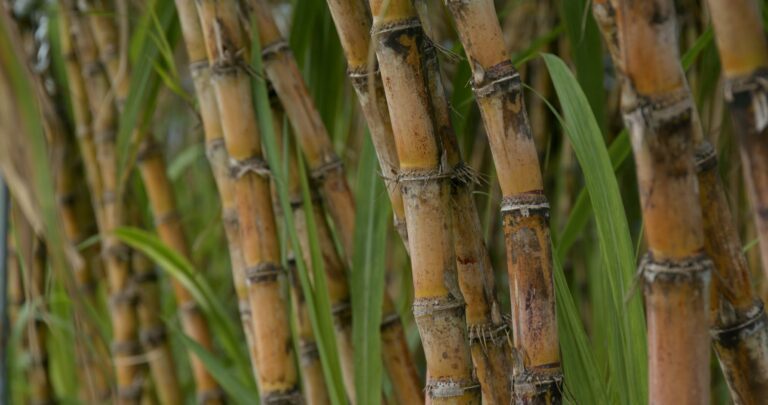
660, 115
32, 253
312, 375
335, 270
328, 172
152, 330
325, 166
163, 204
313, 381
353, 24
125, 342
217, 158
224, 40
488, 332
738, 322
537, 374
424, 179
168, 224
744, 55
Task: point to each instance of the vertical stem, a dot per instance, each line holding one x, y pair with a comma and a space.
217, 157
659, 113
277, 378
744, 54
424, 179
536, 374
327, 171
102, 179
162, 202
738, 324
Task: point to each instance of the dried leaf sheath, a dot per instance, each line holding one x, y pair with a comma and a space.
659, 114
525, 210
425, 184
326, 170
217, 157
277, 378
744, 54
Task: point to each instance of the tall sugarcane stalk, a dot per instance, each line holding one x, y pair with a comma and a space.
537, 374
225, 45
424, 177
217, 157
488, 332
475, 273
738, 322
659, 112
162, 202
312, 376
335, 271
328, 173
101, 165
744, 55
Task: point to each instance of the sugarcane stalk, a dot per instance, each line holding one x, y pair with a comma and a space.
738, 322
168, 224
217, 158
659, 112
327, 171
225, 44
123, 298
324, 164
424, 179
333, 266
743, 52
536, 374
312, 378
488, 332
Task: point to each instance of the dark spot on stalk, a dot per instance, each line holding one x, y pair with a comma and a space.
445, 355
763, 213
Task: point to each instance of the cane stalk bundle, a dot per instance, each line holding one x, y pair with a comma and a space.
738, 321
225, 45
424, 178
162, 202
217, 157
537, 373
328, 173
103, 183
744, 55
659, 113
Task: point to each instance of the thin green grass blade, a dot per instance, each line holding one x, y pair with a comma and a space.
626, 341
145, 81
583, 379
236, 390
182, 270
367, 278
